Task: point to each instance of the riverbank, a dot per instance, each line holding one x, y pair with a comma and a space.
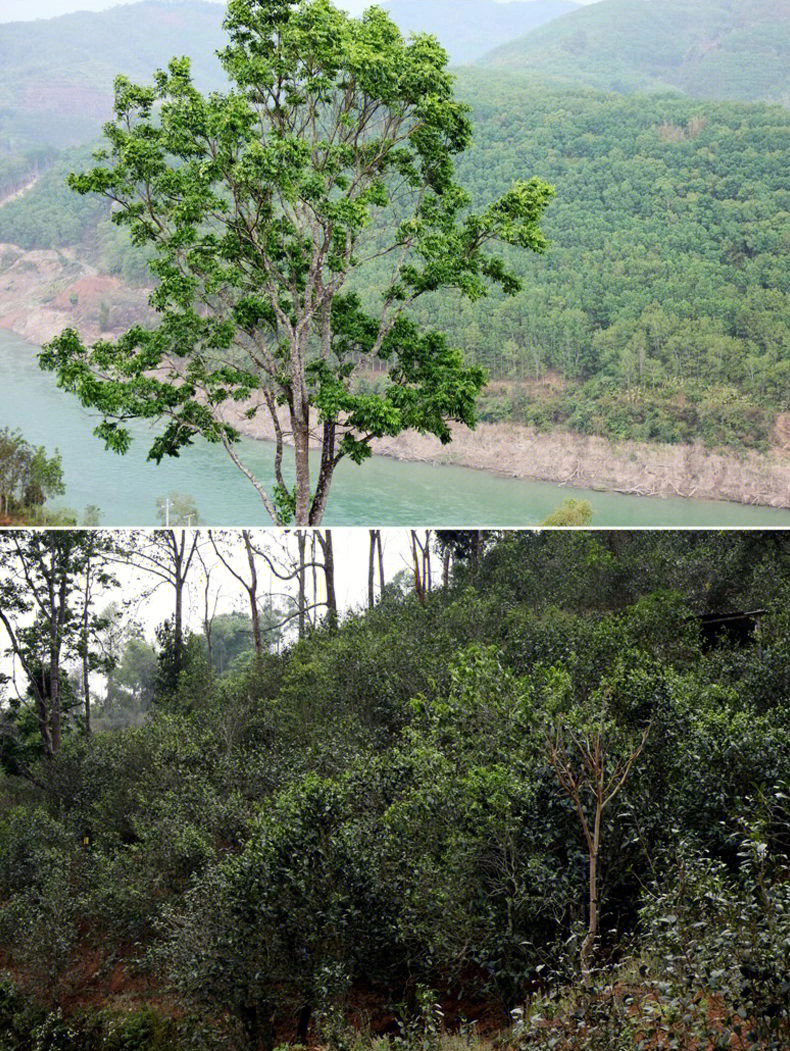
587, 462
45, 291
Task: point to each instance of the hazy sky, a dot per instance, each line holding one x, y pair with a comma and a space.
26, 10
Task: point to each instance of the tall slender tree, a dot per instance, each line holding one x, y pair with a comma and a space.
167, 554
49, 583
331, 156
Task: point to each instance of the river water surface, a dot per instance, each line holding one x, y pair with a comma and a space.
380, 492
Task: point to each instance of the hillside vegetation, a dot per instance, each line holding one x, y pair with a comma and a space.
660, 311
367, 837
56, 75
723, 49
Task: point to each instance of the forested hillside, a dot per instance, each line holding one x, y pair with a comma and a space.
722, 49
660, 311
379, 836
56, 75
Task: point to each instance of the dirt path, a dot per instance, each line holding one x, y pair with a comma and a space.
20, 192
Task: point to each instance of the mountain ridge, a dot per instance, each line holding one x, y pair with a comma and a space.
736, 50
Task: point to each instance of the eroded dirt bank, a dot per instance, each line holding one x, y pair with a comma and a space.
517, 451
45, 291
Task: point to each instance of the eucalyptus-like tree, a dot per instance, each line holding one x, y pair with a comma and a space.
328, 160
50, 581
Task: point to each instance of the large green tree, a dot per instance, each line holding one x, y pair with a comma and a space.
331, 151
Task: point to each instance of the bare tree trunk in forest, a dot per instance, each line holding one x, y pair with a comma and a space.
250, 586
208, 611
252, 591
581, 777
325, 540
301, 540
86, 685
313, 618
381, 562
375, 549
421, 556
57, 622
477, 550
208, 625
169, 556
593, 848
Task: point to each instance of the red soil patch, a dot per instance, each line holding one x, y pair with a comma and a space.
90, 290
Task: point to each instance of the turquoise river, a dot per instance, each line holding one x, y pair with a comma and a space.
380, 492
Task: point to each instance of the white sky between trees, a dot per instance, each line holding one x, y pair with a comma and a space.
28, 10
351, 547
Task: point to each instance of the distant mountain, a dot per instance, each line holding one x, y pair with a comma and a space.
56, 74
470, 28
725, 49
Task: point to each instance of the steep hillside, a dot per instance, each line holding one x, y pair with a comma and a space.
470, 28
727, 49
56, 75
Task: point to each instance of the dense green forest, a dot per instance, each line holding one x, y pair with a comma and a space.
395, 831
660, 311
662, 302
722, 49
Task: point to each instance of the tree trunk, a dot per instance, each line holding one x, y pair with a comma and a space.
381, 562
57, 618
178, 624
301, 539
421, 565
371, 567
301, 437
313, 616
477, 550
329, 577
325, 473
86, 685
252, 591
588, 945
